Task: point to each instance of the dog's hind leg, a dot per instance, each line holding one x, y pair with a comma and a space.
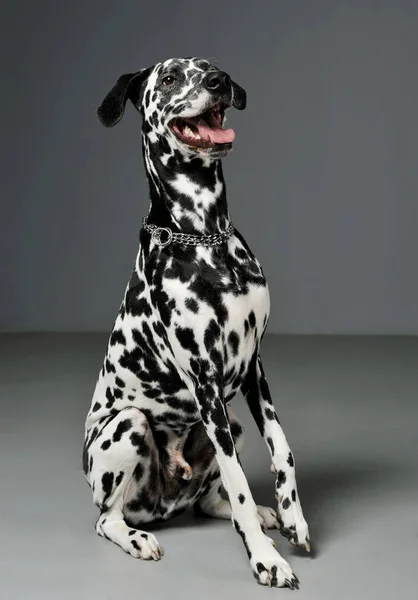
256, 391
213, 504
117, 460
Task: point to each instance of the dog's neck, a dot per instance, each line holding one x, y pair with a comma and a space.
186, 195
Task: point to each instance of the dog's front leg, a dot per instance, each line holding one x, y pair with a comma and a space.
257, 393
268, 566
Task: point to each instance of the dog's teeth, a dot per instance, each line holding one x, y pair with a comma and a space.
190, 133
187, 131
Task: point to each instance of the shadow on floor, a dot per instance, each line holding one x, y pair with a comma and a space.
334, 498
337, 497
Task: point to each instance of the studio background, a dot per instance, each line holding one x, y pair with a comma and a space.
322, 182
323, 185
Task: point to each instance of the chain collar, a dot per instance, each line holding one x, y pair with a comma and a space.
163, 236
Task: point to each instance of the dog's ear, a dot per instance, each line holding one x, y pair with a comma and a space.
239, 96
128, 86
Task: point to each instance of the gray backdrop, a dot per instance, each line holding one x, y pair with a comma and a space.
323, 180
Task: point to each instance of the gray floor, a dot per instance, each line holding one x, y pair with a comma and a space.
349, 407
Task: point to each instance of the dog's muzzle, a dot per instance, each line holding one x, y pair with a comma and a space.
217, 81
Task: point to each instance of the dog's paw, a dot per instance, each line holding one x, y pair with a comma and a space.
267, 518
289, 510
144, 545
292, 525
270, 569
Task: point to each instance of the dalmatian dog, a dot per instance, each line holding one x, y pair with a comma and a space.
159, 435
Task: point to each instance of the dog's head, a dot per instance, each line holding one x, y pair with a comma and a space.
183, 101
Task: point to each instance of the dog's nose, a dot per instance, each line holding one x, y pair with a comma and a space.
217, 81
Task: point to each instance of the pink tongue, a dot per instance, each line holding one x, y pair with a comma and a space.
212, 131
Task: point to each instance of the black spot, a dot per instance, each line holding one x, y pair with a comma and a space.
135, 545
139, 471
142, 448
92, 438
85, 459
129, 360
212, 334
290, 460
281, 479
286, 503
185, 336
137, 307
294, 495
233, 341
109, 367
152, 393
217, 415
192, 305
107, 484
240, 253
264, 389
251, 392
110, 398
144, 535
117, 392
106, 444
269, 414
132, 532
119, 478
122, 427
241, 498
270, 443
117, 337
260, 567
96, 407
251, 319
273, 571
119, 382
224, 439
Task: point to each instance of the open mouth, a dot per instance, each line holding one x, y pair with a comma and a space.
203, 131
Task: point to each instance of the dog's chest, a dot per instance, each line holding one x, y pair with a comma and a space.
247, 317
178, 318
221, 304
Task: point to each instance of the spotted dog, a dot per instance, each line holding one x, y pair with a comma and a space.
160, 436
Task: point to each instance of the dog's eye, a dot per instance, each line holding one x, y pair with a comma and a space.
168, 80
